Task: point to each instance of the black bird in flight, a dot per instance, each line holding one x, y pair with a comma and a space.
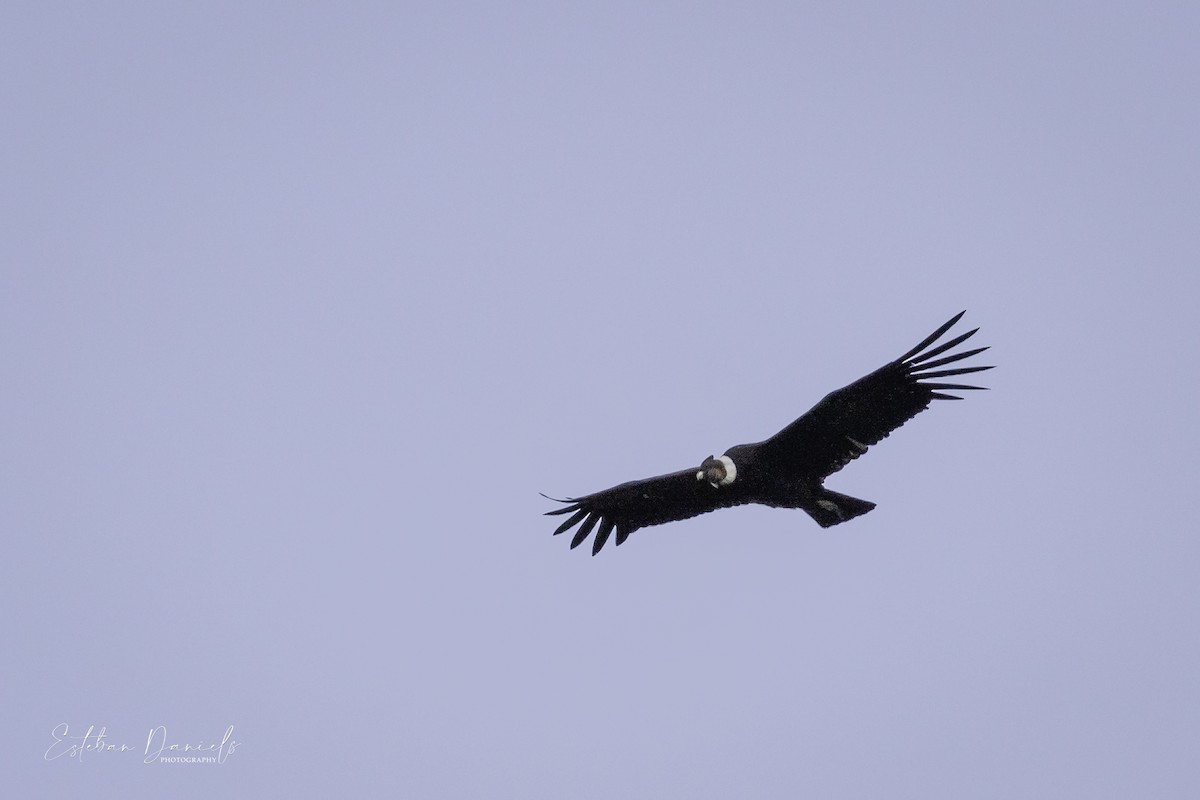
789, 469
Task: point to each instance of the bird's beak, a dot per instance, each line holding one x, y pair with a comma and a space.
713, 471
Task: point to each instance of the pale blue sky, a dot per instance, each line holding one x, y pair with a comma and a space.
303, 304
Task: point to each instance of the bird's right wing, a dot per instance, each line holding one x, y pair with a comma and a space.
637, 504
842, 426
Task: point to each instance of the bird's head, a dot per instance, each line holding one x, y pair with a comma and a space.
717, 471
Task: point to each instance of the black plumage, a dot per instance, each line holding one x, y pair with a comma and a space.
788, 469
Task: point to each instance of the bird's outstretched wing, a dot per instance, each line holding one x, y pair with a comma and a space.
841, 427
625, 508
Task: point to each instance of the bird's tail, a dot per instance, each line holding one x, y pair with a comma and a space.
830, 508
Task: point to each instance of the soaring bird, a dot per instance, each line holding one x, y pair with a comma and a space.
789, 469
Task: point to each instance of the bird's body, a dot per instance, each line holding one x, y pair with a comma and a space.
787, 470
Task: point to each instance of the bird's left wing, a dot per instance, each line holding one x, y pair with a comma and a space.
637, 504
841, 427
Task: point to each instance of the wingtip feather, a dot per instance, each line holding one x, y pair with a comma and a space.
602, 535
570, 523
950, 386
585, 529
558, 511
916, 368
933, 337
941, 348
945, 373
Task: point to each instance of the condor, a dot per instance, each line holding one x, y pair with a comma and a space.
789, 469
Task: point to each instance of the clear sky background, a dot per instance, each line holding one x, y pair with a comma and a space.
302, 305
